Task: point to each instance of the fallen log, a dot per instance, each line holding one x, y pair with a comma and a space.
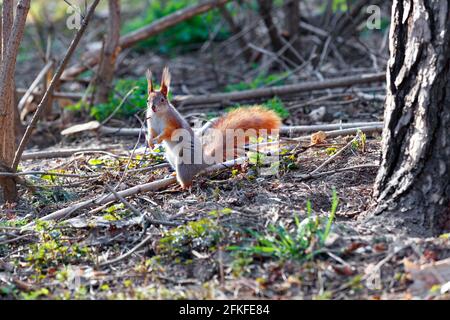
96, 126
62, 153
270, 92
130, 39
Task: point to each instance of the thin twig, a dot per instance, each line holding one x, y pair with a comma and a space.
31, 173
330, 159
119, 258
327, 173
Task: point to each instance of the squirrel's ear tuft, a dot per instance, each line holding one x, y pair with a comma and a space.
148, 74
165, 81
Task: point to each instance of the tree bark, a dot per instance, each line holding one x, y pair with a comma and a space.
12, 33
412, 189
111, 50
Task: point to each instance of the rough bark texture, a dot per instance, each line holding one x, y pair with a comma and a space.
12, 33
111, 50
412, 189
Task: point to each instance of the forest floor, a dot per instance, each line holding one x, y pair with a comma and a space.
237, 233
212, 253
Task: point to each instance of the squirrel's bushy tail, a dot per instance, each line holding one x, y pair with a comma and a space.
251, 120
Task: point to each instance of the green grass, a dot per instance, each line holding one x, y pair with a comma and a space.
303, 242
262, 80
136, 102
201, 235
192, 31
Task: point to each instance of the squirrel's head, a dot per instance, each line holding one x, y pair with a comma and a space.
158, 100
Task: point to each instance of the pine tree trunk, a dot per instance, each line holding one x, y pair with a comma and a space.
412, 189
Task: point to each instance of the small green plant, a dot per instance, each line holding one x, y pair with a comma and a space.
203, 234
304, 241
53, 249
136, 101
277, 105
256, 158
35, 294
47, 196
360, 141
330, 151
115, 212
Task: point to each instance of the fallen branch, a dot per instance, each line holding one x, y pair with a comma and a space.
62, 153
331, 126
42, 173
344, 132
270, 92
158, 26
327, 173
136, 211
152, 186
125, 255
95, 125
334, 156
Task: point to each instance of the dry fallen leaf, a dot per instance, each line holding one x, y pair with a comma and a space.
426, 276
318, 137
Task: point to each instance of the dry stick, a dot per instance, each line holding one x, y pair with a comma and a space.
15, 239
52, 85
285, 129
344, 132
136, 211
35, 83
28, 173
119, 258
329, 134
327, 173
319, 127
152, 186
152, 29
62, 153
279, 90
333, 156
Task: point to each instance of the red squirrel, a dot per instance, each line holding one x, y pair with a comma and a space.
187, 155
